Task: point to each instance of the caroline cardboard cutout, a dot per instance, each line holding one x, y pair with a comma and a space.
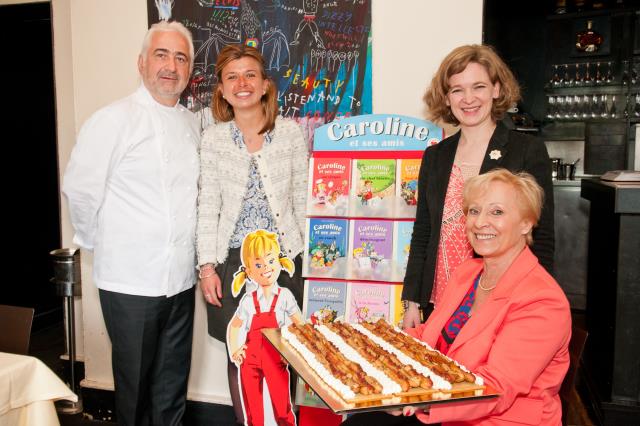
264, 305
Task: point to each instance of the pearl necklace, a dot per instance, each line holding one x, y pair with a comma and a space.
483, 287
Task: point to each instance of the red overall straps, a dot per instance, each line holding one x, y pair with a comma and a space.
263, 361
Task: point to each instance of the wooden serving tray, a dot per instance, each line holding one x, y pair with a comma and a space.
416, 396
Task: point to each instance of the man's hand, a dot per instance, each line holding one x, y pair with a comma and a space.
211, 287
411, 317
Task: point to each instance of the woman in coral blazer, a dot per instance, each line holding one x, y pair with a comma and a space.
502, 316
517, 342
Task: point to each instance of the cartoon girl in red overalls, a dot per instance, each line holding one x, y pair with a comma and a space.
367, 193
266, 305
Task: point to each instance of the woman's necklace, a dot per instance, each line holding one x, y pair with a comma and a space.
483, 287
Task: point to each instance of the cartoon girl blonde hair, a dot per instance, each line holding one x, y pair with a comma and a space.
258, 244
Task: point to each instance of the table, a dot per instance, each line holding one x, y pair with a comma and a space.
27, 391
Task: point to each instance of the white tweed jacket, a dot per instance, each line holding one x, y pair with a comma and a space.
224, 176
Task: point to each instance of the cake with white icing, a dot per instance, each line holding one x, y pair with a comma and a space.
371, 359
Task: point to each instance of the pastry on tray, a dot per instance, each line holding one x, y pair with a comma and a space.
376, 361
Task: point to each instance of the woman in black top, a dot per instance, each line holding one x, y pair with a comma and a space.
473, 88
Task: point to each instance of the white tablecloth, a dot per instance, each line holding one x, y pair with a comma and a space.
27, 391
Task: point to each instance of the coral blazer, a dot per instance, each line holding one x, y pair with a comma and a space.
517, 341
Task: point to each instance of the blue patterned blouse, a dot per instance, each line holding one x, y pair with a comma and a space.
458, 319
255, 212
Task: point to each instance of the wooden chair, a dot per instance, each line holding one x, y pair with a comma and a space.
567, 391
15, 329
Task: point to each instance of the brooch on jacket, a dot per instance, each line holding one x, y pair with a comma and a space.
495, 154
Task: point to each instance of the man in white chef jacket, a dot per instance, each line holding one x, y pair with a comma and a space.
131, 184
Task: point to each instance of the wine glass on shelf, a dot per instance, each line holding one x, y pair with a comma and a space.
586, 106
588, 78
568, 107
579, 77
577, 107
551, 105
636, 107
613, 110
626, 112
594, 106
555, 79
603, 106
559, 107
567, 79
609, 75
633, 73
625, 73
598, 74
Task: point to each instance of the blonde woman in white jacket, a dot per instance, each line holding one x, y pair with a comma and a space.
254, 169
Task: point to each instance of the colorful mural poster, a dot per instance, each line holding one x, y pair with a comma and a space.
317, 52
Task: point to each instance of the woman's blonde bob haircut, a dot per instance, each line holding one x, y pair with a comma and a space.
530, 196
456, 62
221, 109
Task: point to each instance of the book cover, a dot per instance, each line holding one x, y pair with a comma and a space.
371, 249
402, 231
325, 301
397, 311
328, 193
326, 248
368, 302
305, 396
373, 188
407, 171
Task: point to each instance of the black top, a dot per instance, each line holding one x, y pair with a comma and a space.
518, 152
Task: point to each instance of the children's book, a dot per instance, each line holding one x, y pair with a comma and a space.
325, 301
402, 231
329, 183
326, 248
407, 187
306, 397
371, 249
397, 311
373, 188
369, 302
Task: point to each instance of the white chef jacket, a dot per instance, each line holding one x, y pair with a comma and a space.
132, 184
